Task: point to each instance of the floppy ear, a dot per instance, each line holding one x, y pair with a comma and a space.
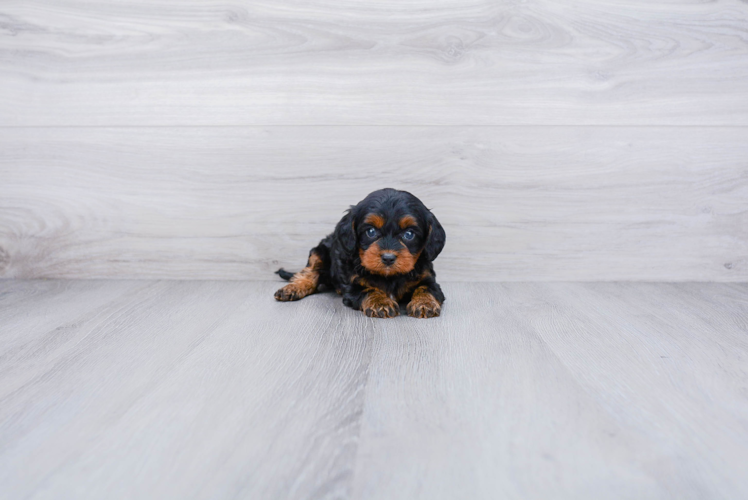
345, 233
436, 238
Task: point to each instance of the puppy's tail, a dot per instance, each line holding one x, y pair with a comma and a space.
284, 274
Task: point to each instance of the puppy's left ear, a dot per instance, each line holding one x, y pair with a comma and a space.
436, 238
345, 232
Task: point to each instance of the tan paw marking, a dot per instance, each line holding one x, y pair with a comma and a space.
378, 305
423, 304
292, 291
303, 283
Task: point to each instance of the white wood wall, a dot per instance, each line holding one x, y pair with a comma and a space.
569, 140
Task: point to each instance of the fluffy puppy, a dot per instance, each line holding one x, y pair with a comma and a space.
380, 255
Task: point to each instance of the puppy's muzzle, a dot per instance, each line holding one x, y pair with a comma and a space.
388, 258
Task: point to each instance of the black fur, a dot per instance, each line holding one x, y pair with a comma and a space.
284, 274
339, 252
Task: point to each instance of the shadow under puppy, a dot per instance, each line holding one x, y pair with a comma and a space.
380, 255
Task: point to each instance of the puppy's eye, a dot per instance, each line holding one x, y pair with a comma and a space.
371, 232
409, 235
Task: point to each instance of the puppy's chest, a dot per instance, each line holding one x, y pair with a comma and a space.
396, 288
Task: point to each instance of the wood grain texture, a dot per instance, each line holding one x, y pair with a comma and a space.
178, 390
410, 62
561, 391
148, 389
518, 203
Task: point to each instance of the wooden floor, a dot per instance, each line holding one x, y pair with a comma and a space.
211, 389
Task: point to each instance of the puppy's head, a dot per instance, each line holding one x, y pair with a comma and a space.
389, 231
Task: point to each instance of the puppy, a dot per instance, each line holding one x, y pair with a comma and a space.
380, 255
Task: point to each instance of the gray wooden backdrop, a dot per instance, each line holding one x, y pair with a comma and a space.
556, 140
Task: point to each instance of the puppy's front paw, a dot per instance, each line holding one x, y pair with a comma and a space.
291, 292
424, 305
382, 311
379, 305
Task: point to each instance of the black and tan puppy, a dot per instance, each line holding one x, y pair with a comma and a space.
380, 255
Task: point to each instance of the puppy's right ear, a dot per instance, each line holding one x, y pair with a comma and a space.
345, 232
436, 238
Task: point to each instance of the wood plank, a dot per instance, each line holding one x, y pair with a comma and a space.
49, 309
204, 389
668, 363
412, 62
519, 390
518, 203
186, 390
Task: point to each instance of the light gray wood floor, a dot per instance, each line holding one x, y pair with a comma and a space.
210, 389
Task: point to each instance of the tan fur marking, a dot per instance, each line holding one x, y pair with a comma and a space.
375, 220
314, 262
371, 259
407, 221
362, 282
303, 283
378, 305
423, 304
406, 288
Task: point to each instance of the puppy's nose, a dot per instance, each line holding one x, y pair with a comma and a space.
388, 258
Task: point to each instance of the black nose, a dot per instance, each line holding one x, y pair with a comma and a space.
388, 258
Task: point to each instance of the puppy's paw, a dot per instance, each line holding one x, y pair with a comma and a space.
423, 305
382, 311
291, 291
378, 305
